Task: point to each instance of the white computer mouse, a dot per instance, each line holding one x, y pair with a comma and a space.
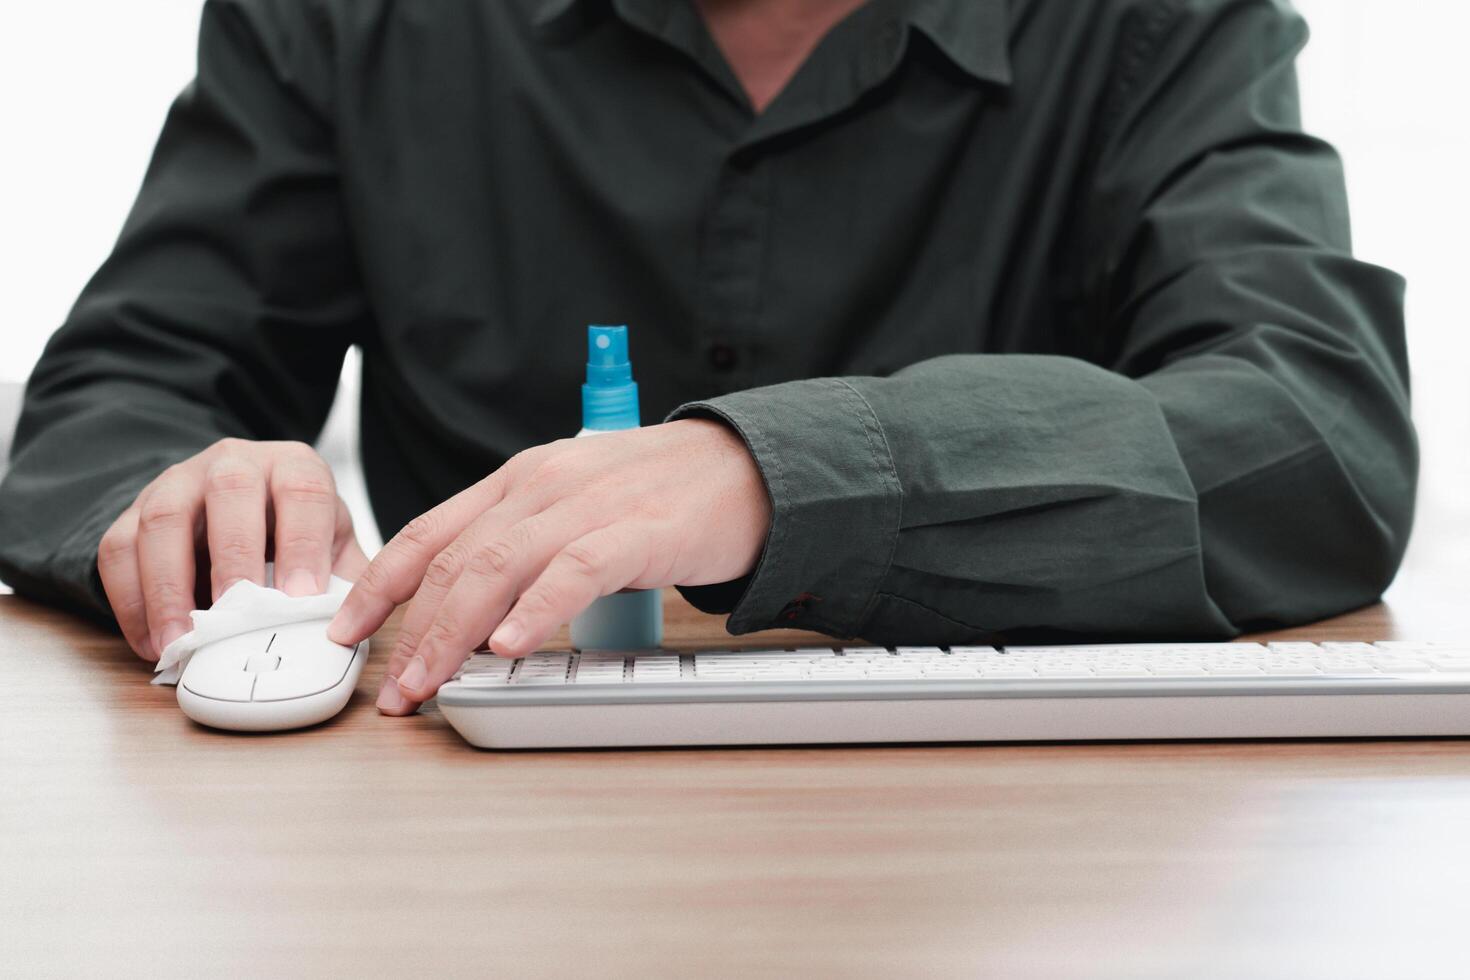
271, 679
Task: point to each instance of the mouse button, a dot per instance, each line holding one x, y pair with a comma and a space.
303, 674
236, 649
261, 662
218, 678
305, 638
255, 641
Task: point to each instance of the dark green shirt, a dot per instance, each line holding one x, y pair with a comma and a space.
1037, 316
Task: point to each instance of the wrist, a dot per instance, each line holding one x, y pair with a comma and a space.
739, 500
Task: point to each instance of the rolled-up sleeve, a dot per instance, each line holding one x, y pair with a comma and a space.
836, 505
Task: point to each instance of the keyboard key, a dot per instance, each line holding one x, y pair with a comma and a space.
854, 671
600, 668
1178, 670
1454, 663
1064, 670
1291, 669
657, 669
1352, 648
959, 672
1444, 649
484, 680
1403, 666
542, 669
1006, 672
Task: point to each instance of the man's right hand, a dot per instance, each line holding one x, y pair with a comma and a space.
215, 519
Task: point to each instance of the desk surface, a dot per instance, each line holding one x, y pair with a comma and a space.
132, 841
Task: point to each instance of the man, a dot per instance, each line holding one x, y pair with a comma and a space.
970, 316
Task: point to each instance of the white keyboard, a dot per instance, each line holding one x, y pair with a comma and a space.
962, 694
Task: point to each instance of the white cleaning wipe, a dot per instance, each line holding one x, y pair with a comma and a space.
244, 608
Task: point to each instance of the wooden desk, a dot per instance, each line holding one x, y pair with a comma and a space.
133, 842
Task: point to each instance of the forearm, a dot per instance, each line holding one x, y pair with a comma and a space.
1001, 493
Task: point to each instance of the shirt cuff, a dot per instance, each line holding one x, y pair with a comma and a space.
836, 504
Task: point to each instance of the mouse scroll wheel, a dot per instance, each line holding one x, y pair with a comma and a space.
262, 662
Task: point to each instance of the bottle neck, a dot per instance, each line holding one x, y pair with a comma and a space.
610, 408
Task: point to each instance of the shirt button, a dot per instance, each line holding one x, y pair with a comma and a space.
722, 357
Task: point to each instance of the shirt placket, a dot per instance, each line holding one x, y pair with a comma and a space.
734, 236
733, 249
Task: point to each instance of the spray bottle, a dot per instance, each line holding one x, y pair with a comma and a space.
632, 620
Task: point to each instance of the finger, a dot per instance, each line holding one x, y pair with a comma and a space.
350, 561
442, 572
168, 512
234, 522
304, 497
117, 566
497, 567
445, 570
395, 574
593, 566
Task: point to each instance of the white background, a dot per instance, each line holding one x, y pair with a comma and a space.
84, 85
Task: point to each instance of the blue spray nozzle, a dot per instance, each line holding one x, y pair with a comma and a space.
610, 396
607, 355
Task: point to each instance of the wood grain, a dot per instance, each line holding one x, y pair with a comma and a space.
133, 842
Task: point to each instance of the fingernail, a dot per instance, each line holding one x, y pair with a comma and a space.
390, 699
301, 582
505, 638
414, 674
170, 633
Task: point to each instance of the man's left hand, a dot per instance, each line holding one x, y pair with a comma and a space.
527, 548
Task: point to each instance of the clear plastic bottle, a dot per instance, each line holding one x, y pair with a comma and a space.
624, 620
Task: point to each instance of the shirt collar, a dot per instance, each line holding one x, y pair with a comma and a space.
553, 17
974, 34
